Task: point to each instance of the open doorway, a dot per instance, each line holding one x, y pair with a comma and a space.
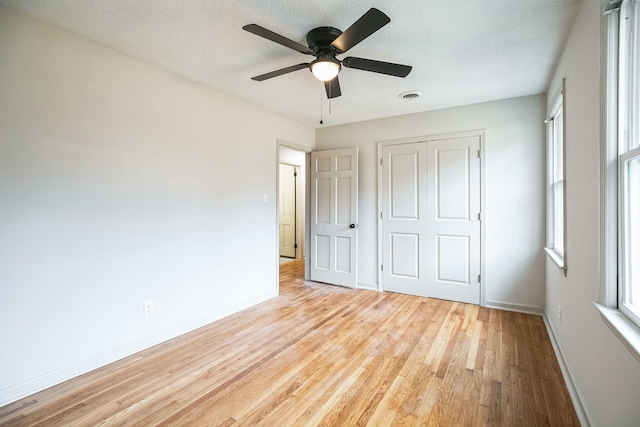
292, 201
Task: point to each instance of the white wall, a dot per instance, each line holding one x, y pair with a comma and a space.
120, 183
514, 216
605, 374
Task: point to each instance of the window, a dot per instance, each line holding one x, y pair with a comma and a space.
555, 181
620, 172
628, 160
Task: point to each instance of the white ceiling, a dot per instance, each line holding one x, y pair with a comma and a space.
462, 51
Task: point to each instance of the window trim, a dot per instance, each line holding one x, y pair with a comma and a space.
558, 103
622, 326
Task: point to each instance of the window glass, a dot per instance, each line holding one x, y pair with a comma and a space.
558, 184
557, 139
558, 215
630, 235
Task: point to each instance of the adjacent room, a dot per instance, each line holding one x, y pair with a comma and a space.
338, 213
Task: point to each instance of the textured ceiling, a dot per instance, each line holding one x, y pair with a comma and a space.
462, 51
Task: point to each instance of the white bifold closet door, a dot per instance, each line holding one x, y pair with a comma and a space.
431, 219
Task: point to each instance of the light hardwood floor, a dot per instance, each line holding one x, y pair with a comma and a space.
325, 355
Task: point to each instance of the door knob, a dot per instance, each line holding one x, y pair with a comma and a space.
352, 226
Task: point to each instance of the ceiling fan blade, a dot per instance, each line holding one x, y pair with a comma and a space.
280, 72
368, 24
270, 35
333, 88
388, 68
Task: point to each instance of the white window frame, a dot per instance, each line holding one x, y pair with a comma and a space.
620, 140
556, 246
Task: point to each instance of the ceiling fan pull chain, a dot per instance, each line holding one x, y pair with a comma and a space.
321, 122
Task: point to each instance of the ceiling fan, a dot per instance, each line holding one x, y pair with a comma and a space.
327, 42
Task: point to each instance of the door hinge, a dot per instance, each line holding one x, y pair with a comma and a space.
479, 156
381, 267
295, 246
478, 278
295, 174
479, 216
380, 162
380, 215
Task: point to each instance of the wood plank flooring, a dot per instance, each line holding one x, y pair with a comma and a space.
329, 356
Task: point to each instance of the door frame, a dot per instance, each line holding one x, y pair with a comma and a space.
436, 137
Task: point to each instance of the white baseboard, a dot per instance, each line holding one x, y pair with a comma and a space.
34, 385
566, 375
367, 285
520, 308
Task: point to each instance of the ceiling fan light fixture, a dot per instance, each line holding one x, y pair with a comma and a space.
325, 69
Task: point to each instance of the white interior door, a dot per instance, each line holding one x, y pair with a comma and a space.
404, 218
334, 216
430, 219
454, 219
287, 211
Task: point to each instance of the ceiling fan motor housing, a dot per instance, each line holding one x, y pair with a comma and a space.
320, 39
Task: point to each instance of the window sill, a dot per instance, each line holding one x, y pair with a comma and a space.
557, 258
626, 331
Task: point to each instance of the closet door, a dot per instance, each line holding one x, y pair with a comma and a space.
287, 222
430, 234
453, 219
404, 218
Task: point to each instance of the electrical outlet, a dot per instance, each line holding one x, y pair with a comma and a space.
148, 308
560, 313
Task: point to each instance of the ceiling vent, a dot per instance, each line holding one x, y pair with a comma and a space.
410, 95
